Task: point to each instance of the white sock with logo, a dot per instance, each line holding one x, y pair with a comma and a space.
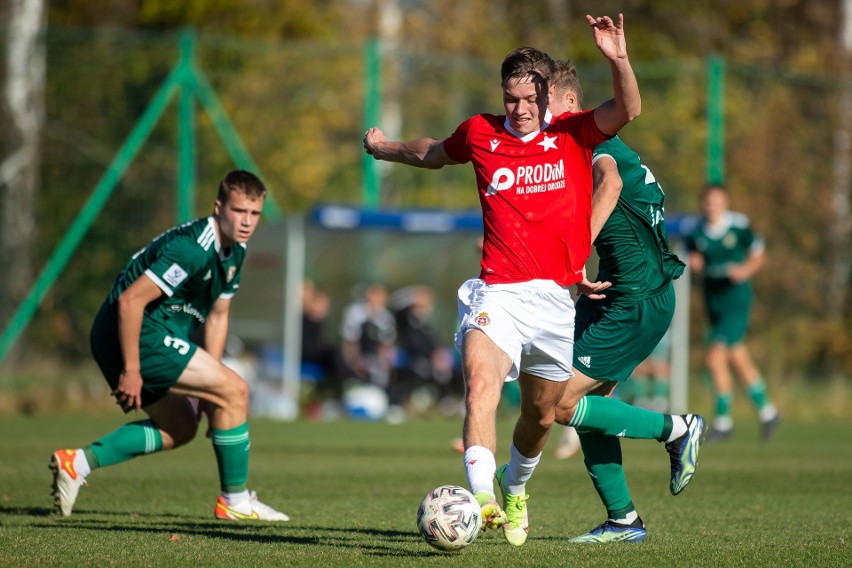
480, 466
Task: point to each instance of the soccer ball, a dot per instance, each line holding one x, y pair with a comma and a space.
449, 517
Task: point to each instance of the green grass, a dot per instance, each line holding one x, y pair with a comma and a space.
352, 490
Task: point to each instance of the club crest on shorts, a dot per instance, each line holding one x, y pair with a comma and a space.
483, 319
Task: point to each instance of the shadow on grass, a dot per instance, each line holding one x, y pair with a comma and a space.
374, 542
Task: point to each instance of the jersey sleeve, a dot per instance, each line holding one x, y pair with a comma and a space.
175, 263
232, 288
582, 127
456, 146
753, 242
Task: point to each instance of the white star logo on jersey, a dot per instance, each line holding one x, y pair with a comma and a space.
548, 142
494, 144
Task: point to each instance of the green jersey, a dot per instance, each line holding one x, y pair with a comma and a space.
730, 241
632, 246
192, 269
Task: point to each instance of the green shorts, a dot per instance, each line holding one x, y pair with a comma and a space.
728, 309
614, 335
162, 355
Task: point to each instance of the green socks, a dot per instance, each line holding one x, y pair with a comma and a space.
616, 418
757, 393
602, 456
232, 456
124, 444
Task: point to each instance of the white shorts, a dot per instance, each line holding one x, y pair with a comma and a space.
532, 322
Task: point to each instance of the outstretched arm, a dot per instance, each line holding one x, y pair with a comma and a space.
422, 152
626, 103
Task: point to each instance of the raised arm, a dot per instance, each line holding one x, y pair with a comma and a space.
422, 153
626, 103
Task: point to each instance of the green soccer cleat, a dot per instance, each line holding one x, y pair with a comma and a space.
611, 531
493, 517
683, 452
517, 525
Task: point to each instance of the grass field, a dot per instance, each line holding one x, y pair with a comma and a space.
352, 491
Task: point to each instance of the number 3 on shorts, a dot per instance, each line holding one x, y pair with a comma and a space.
179, 344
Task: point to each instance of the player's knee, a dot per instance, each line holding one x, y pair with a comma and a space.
481, 393
539, 417
178, 431
237, 391
184, 435
564, 412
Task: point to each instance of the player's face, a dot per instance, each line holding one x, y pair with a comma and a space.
566, 102
714, 204
237, 218
525, 101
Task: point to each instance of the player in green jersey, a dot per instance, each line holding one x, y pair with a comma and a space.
728, 253
143, 342
615, 332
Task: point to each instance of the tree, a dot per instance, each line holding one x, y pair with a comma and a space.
19, 169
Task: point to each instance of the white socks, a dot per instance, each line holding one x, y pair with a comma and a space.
480, 466
678, 427
519, 471
81, 464
627, 519
240, 501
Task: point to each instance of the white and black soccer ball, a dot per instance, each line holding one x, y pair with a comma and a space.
449, 517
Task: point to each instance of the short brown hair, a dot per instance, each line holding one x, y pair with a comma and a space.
526, 61
565, 79
240, 181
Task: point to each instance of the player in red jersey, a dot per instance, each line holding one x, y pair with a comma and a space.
533, 173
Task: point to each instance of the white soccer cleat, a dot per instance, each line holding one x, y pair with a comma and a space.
66, 481
259, 511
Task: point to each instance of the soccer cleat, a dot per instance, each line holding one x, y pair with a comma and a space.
259, 511
611, 531
569, 444
683, 452
767, 427
493, 517
517, 525
66, 481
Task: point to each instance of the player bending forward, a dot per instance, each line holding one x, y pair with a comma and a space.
183, 280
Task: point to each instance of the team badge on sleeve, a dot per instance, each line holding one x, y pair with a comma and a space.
175, 275
483, 319
232, 271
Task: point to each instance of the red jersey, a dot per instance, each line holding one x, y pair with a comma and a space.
535, 192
